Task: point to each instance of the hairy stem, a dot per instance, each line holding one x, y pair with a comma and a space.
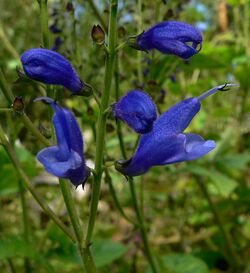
69, 202
44, 23
101, 124
139, 52
115, 199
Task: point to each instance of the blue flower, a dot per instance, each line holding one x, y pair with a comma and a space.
166, 143
171, 37
66, 160
50, 67
137, 109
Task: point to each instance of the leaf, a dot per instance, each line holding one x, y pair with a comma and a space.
237, 161
223, 183
14, 246
184, 263
106, 251
8, 173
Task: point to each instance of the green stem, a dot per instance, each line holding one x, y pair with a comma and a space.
233, 259
6, 110
25, 221
24, 118
117, 96
11, 266
12, 155
139, 53
246, 25
69, 202
115, 199
97, 14
142, 226
101, 124
7, 44
44, 23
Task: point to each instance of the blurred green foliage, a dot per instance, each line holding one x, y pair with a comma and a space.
184, 233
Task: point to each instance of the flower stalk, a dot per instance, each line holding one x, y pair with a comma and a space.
101, 124
44, 22
69, 202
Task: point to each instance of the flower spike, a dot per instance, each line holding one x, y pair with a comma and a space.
66, 160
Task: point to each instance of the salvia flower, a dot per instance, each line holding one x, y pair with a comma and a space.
66, 159
137, 109
50, 67
171, 37
166, 143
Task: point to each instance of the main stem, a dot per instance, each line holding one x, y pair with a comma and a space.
101, 125
142, 226
44, 23
69, 202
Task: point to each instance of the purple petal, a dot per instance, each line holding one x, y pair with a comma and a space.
138, 110
50, 67
178, 117
49, 158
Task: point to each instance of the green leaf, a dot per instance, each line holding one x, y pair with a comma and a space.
223, 183
14, 246
184, 263
106, 251
237, 161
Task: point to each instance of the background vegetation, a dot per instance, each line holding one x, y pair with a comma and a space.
196, 213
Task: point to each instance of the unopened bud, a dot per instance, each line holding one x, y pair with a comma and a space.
98, 35
70, 7
18, 104
121, 32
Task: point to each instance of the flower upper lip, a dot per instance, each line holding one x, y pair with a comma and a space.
66, 159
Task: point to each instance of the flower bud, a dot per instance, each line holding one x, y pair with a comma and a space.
70, 7
50, 67
138, 110
18, 104
98, 35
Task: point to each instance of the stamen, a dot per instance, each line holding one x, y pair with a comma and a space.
223, 87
